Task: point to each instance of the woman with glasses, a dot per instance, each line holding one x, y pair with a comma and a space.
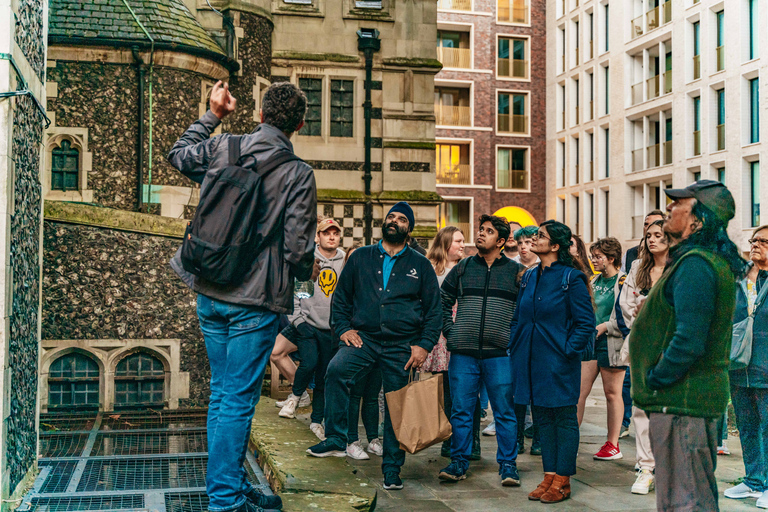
551, 327
749, 386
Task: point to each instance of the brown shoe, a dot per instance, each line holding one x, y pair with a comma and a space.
559, 490
542, 488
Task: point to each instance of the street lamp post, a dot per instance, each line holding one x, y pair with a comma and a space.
369, 43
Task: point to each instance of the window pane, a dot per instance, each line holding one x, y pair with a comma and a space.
342, 103
755, 192
65, 161
313, 88
754, 110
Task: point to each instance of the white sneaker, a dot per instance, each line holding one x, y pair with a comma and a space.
375, 447
490, 430
762, 501
318, 430
742, 491
644, 482
723, 449
289, 409
305, 401
355, 451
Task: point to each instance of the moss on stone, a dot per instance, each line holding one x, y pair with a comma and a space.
413, 63
409, 144
330, 57
92, 215
325, 194
424, 231
410, 195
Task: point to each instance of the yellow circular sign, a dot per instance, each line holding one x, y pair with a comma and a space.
518, 215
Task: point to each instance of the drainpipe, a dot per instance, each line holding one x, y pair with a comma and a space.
369, 43
140, 67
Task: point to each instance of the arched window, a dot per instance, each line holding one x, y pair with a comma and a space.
73, 381
65, 162
139, 381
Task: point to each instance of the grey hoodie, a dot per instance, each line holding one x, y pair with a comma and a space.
316, 310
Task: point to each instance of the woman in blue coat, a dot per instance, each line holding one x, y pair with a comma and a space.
553, 324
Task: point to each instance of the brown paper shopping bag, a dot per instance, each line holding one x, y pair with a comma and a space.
417, 414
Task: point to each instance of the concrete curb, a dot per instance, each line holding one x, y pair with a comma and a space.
304, 482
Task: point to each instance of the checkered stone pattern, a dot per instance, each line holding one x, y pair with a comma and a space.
350, 218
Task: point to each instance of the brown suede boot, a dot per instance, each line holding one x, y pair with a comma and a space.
559, 490
542, 488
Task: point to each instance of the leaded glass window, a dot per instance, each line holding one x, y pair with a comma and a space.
313, 88
342, 107
139, 381
65, 163
73, 381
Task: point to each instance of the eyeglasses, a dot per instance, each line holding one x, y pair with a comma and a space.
761, 241
538, 235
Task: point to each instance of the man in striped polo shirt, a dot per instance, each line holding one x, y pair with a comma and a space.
485, 287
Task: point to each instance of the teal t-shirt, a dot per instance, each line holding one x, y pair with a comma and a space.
604, 297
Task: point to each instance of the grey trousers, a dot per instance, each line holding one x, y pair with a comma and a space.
685, 449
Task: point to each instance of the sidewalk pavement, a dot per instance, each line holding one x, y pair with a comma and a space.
597, 486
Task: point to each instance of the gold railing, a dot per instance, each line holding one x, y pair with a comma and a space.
637, 160
577, 111
519, 124
577, 56
696, 143
592, 49
668, 152
458, 174
455, 5
637, 27
720, 137
591, 110
514, 68
563, 118
654, 153
591, 170
463, 226
577, 173
720, 52
452, 115
653, 19
562, 57
454, 57
513, 11
637, 93
653, 87
512, 179
696, 67
668, 81
695, 1
667, 12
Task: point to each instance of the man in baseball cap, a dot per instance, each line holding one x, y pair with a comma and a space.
680, 342
325, 225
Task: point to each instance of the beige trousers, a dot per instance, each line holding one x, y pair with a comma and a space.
643, 440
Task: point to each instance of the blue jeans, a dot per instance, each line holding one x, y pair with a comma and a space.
466, 373
239, 340
751, 408
559, 427
626, 395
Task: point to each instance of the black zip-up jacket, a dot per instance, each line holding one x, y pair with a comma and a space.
487, 297
288, 196
406, 312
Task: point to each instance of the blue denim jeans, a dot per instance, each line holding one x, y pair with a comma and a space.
559, 427
466, 373
626, 395
239, 340
751, 408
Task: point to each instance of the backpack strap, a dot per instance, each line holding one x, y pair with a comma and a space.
234, 149
527, 277
566, 279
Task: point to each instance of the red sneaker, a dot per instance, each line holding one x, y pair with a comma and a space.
608, 452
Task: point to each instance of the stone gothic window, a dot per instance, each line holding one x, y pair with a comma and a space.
73, 381
139, 381
65, 167
342, 107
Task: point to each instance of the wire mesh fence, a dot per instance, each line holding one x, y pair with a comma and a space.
62, 504
62, 445
130, 443
135, 474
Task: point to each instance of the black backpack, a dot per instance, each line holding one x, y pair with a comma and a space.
221, 242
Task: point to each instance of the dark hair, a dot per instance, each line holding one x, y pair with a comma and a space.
438, 251
582, 260
560, 234
610, 247
657, 213
712, 237
499, 224
284, 106
526, 232
647, 261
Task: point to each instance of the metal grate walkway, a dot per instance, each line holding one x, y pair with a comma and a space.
134, 461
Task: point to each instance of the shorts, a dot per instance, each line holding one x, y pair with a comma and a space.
291, 333
601, 353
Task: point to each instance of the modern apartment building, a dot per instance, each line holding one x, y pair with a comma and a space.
648, 95
490, 109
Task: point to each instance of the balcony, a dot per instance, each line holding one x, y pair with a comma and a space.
577, 114
696, 67
452, 115
637, 27
592, 49
513, 68
457, 174
591, 110
668, 81
654, 153
637, 226
652, 18
591, 170
720, 52
668, 152
455, 5
519, 124
637, 160
720, 137
653, 87
455, 57
696, 143
576, 50
463, 226
577, 173
562, 115
667, 11
512, 179
513, 11
637, 93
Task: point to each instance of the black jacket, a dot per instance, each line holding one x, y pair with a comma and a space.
487, 297
288, 195
406, 312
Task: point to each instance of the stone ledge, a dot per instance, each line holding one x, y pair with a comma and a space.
304, 482
123, 220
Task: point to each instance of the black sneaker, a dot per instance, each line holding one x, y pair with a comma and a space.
536, 448
326, 449
454, 472
392, 481
529, 432
509, 475
258, 498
